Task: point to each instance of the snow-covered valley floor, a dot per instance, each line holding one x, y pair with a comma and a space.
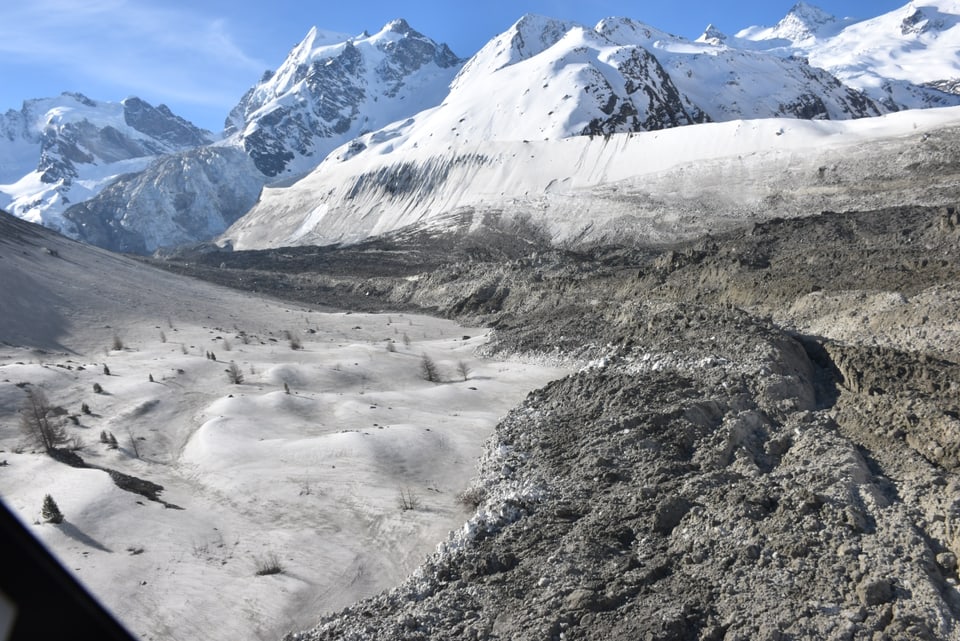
312, 479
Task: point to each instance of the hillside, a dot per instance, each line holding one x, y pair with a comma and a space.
650, 186
298, 462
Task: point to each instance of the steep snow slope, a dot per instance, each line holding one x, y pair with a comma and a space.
890, 57
654, 185
55, 151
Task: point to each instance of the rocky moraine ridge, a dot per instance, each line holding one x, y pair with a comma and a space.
760, 442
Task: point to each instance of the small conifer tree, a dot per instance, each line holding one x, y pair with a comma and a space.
429, 370
51, 511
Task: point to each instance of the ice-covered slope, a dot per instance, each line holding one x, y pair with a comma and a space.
55, 151
654, 185
891, 57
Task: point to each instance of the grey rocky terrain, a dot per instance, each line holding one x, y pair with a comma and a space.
761, 440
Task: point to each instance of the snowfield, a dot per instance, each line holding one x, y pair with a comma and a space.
311, 480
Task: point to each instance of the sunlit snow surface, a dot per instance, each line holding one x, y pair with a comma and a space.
313, 477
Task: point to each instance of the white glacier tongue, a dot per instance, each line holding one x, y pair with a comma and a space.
658, 186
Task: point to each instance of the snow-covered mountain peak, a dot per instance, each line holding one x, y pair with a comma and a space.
803, 23
327, 92
527, 37
712, 35
625, 31
928, 18
903, 59
400, 26
62, 149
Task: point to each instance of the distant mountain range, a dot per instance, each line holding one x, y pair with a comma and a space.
383, 107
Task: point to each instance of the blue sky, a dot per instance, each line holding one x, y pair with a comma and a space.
200, 57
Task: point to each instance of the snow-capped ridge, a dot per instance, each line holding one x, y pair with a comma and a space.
900, 59
927, 20
712, 35
326, 93
529, 36
803, 23
626, 31
65, 149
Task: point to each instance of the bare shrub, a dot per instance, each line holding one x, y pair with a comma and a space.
406, 340
472, 497
36, 424
163, 337
295, 342
463, 369
268, 564
134, 447
108, 439
227, 345
117, 343
234, 375
407, 500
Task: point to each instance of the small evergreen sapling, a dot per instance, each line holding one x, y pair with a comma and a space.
51, 511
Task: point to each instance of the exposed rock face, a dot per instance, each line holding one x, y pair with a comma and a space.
731, 462
162, 124
326, 93
178, 199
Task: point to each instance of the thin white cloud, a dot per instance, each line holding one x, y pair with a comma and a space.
176, 54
